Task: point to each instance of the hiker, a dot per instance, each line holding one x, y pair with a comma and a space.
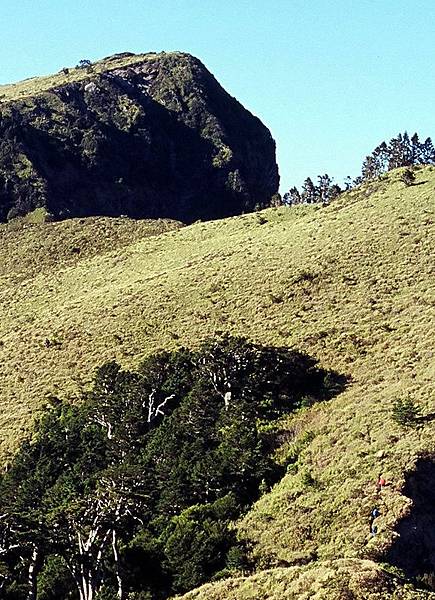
375, 513
380, 483
373, 530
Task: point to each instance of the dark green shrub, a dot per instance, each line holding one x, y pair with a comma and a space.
405, 412
308, 479
54, 580
196, 542
407, 177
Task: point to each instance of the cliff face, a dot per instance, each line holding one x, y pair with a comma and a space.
143, 135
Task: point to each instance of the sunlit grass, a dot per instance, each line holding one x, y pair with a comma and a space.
331, 580
351, 284
37, 85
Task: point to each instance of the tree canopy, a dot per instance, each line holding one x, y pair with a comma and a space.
132, 492
401, 151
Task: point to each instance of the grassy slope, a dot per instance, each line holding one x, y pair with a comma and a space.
351, 284
36, 262
343, 579
37, 85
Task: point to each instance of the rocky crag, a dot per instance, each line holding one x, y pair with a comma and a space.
152, 135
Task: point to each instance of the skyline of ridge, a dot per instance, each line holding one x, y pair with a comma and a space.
331, 82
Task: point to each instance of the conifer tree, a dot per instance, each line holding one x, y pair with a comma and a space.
370, 168
327, 190
416, 150
428, 152
309, 192
168, 455
348, 183
401, 151
335, 190
292, 196
395, 153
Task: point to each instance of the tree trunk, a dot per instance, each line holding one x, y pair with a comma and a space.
85, 588
31, 577
117, 570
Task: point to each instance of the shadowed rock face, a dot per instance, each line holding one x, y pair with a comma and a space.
158, 137
414, 550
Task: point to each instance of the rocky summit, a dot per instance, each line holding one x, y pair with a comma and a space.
150, 135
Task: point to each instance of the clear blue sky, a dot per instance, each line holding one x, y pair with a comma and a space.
330, 78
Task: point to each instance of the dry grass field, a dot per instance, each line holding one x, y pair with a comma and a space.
351, 284
341, 579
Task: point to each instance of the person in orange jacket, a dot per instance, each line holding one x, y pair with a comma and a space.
380, 483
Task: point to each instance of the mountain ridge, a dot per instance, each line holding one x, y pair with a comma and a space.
149, 136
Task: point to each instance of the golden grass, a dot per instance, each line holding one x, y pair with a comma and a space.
372, 315
332, 580
351, 284
34, 260
38, 85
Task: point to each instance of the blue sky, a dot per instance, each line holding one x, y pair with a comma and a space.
330, 78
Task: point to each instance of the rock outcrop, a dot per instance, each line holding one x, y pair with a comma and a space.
147, 136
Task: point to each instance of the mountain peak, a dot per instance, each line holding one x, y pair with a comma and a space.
146, 135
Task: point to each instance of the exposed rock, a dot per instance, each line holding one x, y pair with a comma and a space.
147, 136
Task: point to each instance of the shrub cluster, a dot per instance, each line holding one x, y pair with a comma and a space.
132, 492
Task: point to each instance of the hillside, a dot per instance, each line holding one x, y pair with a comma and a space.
330, 580
351, 284
148, 136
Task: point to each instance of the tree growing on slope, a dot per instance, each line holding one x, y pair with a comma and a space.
400, 151
405, 412
151, 467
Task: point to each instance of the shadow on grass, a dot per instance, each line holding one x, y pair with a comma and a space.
418, 183
414, 549
426, 418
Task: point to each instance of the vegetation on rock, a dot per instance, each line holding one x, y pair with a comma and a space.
148, 136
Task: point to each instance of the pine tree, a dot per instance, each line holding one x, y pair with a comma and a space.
395, 150
334, 191
324, 188
292, 197
370, 169
416, 150
380, 155
309, 193
407, 157
348, 183
428, 154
